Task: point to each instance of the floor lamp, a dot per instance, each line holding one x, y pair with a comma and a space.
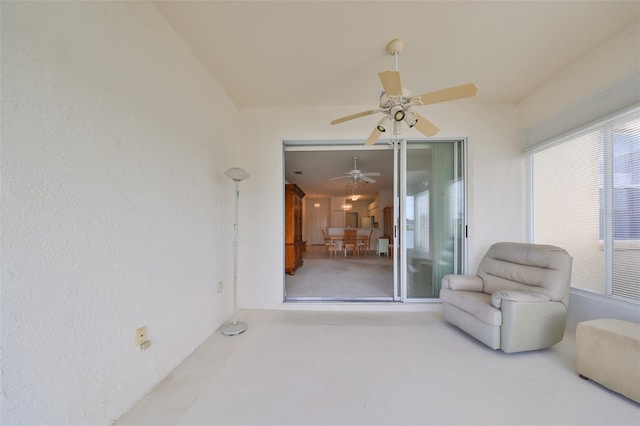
236, 174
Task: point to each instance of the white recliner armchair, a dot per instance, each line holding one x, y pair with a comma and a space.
517, 301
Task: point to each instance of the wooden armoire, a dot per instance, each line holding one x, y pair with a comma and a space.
293, 228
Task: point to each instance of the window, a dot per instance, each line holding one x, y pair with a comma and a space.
586, 199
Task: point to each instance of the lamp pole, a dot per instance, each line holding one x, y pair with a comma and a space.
236, 327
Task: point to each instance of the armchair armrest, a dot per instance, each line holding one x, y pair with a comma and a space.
527, 326
462, 282
517, 296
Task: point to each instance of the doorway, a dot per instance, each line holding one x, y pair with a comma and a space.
421, 189
352, 219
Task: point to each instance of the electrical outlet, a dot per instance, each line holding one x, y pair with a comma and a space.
141, 335
220, 287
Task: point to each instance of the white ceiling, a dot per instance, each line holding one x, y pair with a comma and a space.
328, 53
318, 167
310, 53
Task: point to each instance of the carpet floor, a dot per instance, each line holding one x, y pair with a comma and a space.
373, 368
325, 276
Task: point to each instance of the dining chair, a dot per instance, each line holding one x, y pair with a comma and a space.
329, 244
350, 241
364, 242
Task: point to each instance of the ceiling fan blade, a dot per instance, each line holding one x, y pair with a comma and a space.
374, 136
367, 179
452, 93
371, 174
354, 116
425, 126
340, 177
391, 82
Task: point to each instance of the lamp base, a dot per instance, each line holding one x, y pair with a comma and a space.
234, 329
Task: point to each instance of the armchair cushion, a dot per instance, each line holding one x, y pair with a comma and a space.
517, 296
476, 303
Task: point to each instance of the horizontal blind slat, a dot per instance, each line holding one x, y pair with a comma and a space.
568, 191
625, 281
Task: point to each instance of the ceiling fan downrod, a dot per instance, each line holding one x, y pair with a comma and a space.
394, 48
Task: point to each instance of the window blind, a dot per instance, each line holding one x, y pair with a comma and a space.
586, 199
625, 208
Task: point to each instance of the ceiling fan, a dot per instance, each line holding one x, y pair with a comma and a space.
396, 103
357, 175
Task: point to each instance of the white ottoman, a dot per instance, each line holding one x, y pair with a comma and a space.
608, 352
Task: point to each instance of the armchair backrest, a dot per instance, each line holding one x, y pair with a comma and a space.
527, 267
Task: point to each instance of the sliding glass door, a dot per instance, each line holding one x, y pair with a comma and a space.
431, 216
413, 211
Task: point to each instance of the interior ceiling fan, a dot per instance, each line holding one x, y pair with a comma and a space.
356, 175
396, 103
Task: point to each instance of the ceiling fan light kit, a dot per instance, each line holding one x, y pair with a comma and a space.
381, 124
397, 112
395, 102
410, 119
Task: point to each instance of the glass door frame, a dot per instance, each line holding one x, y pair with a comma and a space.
400, 220
399, 237
339, 145
399, 179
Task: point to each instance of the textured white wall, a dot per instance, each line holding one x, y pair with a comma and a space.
605, 80
115, 211
496, 181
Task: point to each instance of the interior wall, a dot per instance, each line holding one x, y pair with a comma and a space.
315, 218
496, 181
604, 81
115, 209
